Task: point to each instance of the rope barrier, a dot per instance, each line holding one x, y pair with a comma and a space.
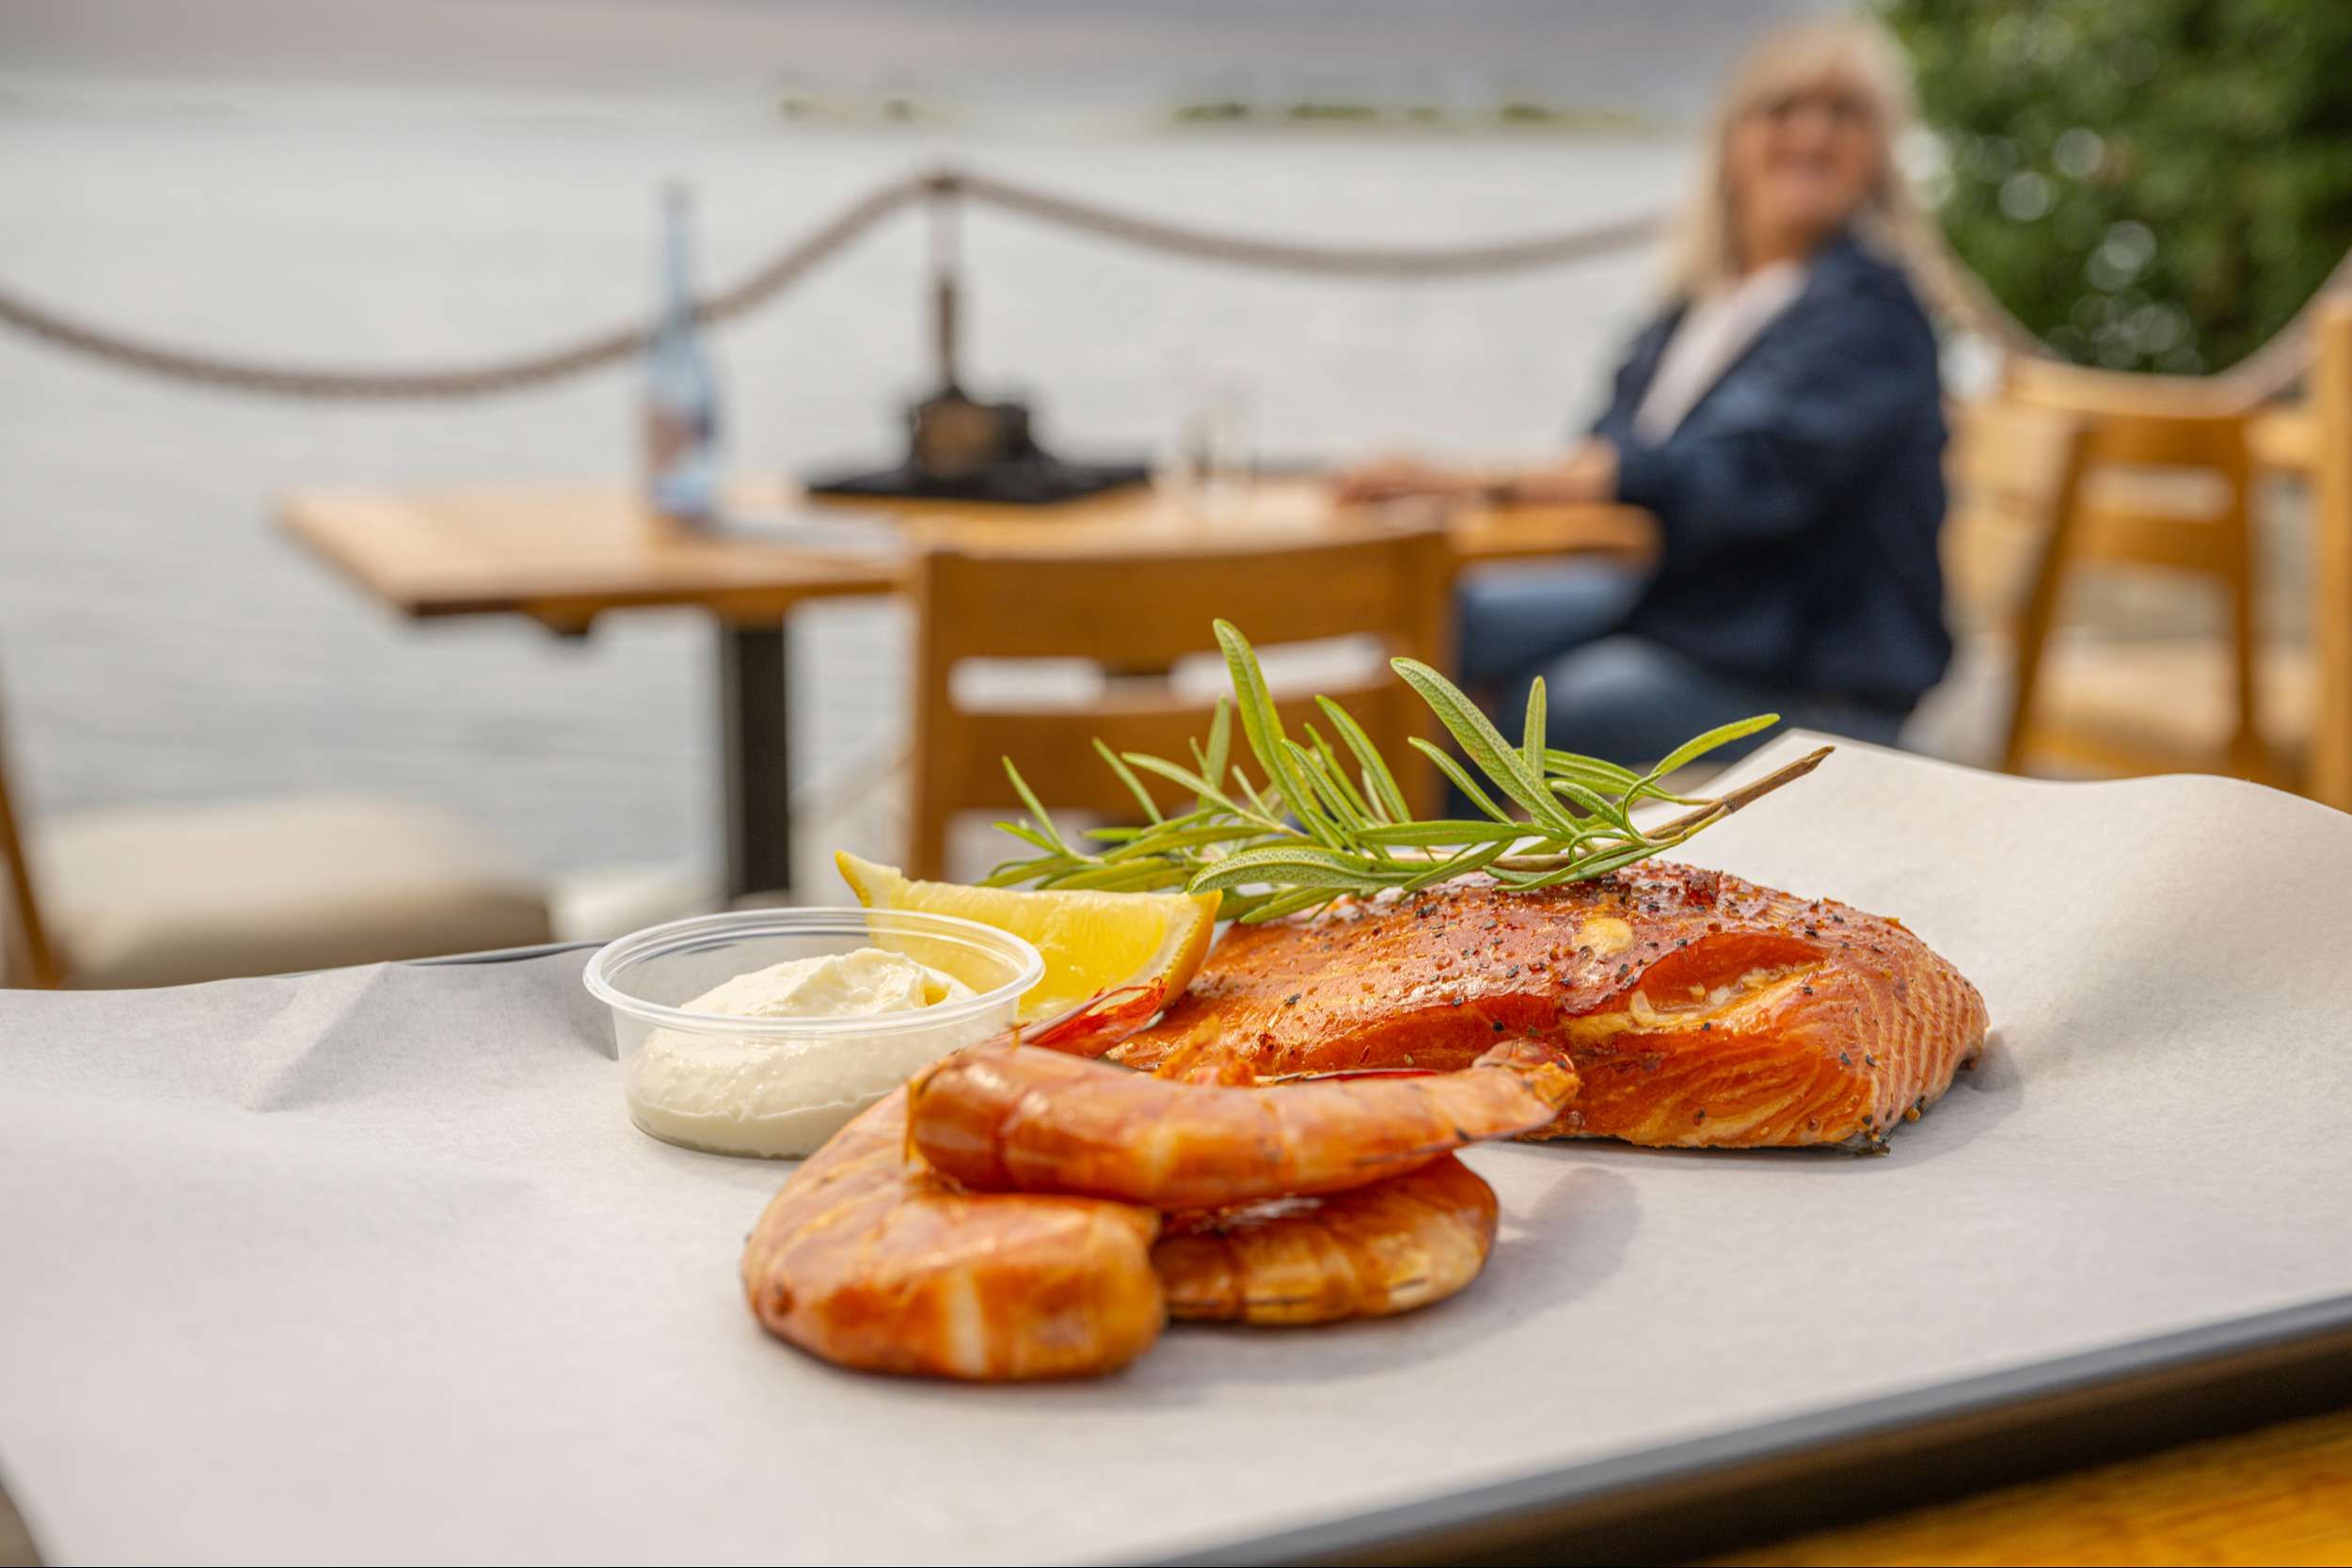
1324, 261
795, 262
2262, 376
466, 381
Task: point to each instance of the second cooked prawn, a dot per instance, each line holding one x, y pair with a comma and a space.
1009, 1118
1365, 1253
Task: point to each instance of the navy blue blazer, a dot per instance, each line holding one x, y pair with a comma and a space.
1801, 495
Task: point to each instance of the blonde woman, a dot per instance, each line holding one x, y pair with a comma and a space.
1781, 417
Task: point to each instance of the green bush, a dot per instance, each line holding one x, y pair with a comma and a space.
2148, 184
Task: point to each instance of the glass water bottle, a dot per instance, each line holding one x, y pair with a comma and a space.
681, 389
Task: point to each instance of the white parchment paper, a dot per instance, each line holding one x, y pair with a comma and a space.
372, 1265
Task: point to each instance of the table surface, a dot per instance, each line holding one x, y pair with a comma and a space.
563, 554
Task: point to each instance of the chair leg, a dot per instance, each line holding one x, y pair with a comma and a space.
928, 812
927, 849
2331, 775
28, 935
2029, 640
2030, 644
2249, 749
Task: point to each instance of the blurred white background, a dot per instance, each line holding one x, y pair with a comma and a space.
379, 184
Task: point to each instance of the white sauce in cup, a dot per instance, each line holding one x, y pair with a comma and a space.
780, 1097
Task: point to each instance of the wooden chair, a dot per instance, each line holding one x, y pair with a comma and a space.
2330, 412
151, 896
1135, 614
2166, 487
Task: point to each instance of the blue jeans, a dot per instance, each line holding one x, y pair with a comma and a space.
1606, 692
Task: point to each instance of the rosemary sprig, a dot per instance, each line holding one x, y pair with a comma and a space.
1307, 832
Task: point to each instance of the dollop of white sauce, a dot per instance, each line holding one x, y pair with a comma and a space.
837, 985
781, 1097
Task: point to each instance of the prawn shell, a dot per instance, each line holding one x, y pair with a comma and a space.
1018, 1119
874, 1262
1370, 1252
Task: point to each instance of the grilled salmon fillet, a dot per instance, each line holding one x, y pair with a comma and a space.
1700, 1010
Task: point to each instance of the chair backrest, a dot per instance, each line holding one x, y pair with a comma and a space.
2170, 471
31, 946
2167, 486
1135, 613
2331, 410
2016, 472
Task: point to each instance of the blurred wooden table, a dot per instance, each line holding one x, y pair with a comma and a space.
565, 554
2282, 1494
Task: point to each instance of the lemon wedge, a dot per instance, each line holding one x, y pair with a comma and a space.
1092, 942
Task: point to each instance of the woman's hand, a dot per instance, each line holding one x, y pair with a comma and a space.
1588, 474
1396, 478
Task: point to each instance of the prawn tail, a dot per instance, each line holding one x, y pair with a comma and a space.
1098, 1022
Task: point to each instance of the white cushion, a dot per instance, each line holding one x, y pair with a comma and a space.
159, 896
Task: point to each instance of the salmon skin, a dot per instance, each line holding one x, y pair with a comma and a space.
1700, 1010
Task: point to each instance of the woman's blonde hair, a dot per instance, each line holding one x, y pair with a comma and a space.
1857, 53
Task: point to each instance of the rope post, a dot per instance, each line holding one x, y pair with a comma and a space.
943, 190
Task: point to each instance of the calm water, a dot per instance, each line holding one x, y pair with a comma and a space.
158, 640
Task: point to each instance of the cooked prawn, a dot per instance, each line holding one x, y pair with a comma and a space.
1390, 1247
870, 1260
1011, 1118
877, 1256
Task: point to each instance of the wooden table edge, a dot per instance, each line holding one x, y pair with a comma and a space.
310, 516
830, 575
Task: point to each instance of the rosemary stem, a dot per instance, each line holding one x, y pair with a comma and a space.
1723, 805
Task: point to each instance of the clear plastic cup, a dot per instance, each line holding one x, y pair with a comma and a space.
777, 1087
